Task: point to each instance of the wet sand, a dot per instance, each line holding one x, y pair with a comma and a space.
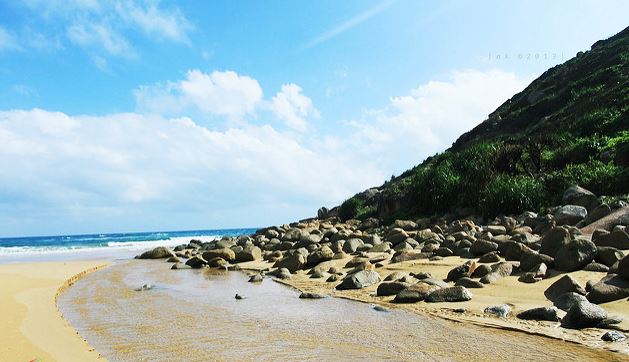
192, 315
31, 326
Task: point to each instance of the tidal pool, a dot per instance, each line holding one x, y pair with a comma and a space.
192, 315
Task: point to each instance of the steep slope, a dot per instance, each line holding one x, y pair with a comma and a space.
569, 126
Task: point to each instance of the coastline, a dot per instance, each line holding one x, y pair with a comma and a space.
33, 328
504, 291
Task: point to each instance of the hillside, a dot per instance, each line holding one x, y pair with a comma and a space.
569, 126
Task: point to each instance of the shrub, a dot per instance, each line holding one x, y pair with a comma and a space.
349, 208
435, 188
507, 194
596, 176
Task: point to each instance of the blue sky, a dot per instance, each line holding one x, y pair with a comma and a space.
162, 115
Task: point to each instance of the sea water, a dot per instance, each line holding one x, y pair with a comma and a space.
97, 246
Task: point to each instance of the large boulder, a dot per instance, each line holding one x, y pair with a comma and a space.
623, 267
415, 293
223, 253
540, 314
575, 255
579, 196
597, 213
450, 294
531, 260
469, 283
608, 255
391, 288
320, 255
160, 252
500, 311
249, 253
498, 271
567, 300
480, 247
359, 280
461, 271
406, 225
196, 262
583, 315
563, 285
553, 240
618, 239
610, 288
351, 245
570, 214
512, 250
292, 262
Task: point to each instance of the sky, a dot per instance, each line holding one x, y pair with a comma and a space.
134, 115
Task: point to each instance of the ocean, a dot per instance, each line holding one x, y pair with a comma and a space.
72, 247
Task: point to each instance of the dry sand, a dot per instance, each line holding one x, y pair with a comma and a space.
519, 296
32, 328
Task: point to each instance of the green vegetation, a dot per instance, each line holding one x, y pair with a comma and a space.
568, 127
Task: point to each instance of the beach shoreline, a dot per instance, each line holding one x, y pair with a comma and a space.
33, 327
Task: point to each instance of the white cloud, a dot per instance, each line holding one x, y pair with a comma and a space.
220, 93
431, 117
165, 24
292, 107
7, 41
101, 35
164, 168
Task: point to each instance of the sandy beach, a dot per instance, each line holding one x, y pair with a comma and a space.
32, 327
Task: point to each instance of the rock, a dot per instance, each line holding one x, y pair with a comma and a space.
563, 285
450, 294
536, 274
469, 283
333, 278
498, 271
444, 252
579, 196
461, 271
196, 262
320, 255
380, 248
173, 259
596, 267
160, 252
396, 236
312, 296
512, 250
395, 276
500, 311
239, 297
611, 287
391, 288
249, 253
179, 266
281, 273
567, 300
421, 275
217, 262
480, 247
223, 253
575, 255
406, 225
618, 239
553, 240
491, 257
144, 287
379, 308
609, 321
608, 255
256, 278
322, 213
540, 314
292, 262
532, 260
613, 336
406, 255
570, 214
359, 280
598, 213
496, 229
415, 293
481, 271
623, 267
351, 245
583, 315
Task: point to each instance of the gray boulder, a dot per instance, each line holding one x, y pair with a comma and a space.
613, 336
618, 239
464, 270
597, 213
536, 274
532, 260
498, 271
570, 214
450, 294
281, 273
249, 253
359, 280
469, 283
480, 247
596, 267
351, 245
623, 267
391, 288
491, 257
312, 296
320, 255
610, 288
575, 255
415, 293
256, 278
196, 262
567, 300
553, 240
583, 315
607, 255
223, 253
180, 266
292, 262
579, 196
540, 314
481, 271
160, 252
500, 311
512, 250
563, 285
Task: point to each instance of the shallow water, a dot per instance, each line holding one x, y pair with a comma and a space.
192, 315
